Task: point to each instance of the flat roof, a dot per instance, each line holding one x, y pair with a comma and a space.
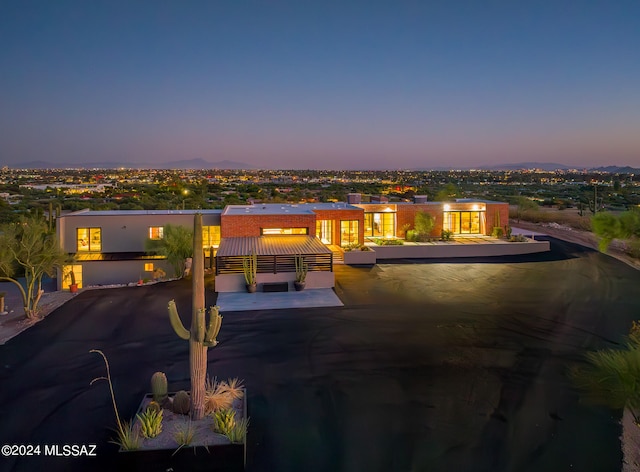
140, 212
271, 246
268, 209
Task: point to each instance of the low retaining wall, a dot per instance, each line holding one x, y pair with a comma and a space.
359, 257
236, 282
453, 249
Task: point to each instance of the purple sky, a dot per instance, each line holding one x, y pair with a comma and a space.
326, 84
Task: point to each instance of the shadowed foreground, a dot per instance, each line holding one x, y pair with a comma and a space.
428, 367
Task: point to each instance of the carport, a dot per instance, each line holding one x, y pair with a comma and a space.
275, 261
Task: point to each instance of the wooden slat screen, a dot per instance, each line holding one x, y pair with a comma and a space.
274, 264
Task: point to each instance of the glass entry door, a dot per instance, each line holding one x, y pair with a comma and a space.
462, 222
324, 231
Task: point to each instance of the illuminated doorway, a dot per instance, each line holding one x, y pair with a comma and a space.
463, 222
66, 275
349, 232
324, 231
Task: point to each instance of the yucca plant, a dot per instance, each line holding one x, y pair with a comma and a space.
150, 423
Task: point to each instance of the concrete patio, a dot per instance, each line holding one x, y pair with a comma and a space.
310, 298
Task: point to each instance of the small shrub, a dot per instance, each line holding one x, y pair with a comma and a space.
507, 231
150, 423
388, 242
412, 236
497, 232
517, 238
446, 235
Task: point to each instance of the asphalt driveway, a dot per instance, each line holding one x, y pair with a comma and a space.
438, 366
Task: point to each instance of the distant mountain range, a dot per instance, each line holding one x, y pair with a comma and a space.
550, 166
183, 164
203, 164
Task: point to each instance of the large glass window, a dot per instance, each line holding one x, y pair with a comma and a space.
349, 232
462, 222
324, 231
380, 225
272, 231
210, 236
89, 239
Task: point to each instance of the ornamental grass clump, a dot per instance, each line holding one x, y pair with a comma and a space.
219, 395
184, 434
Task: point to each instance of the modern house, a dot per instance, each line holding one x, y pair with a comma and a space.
109, 246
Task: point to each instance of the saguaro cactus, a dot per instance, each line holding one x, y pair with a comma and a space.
202, 335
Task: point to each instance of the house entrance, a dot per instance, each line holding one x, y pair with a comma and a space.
463, 222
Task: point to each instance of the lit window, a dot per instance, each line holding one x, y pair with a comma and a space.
148, 267
287, 231
210, 236
156, 232
89, 239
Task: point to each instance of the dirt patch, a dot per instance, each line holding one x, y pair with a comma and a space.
16, 322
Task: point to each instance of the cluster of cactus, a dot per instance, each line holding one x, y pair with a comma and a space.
181, 403
150, 422
250, 268
301, 269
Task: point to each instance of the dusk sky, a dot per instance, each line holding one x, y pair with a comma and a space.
321, 84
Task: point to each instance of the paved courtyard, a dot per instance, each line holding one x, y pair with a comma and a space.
435, 366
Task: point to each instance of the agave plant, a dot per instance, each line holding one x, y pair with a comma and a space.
150, 422
224, 421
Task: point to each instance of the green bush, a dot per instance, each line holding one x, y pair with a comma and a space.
446, 235
517, 238
388, 242
497, 232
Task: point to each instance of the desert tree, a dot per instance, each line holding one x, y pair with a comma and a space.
176, 245
28, 248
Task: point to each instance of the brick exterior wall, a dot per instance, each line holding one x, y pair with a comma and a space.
500, 208
339, 215
407, 213
234, 226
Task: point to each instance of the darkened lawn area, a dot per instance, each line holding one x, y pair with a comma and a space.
428, 367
